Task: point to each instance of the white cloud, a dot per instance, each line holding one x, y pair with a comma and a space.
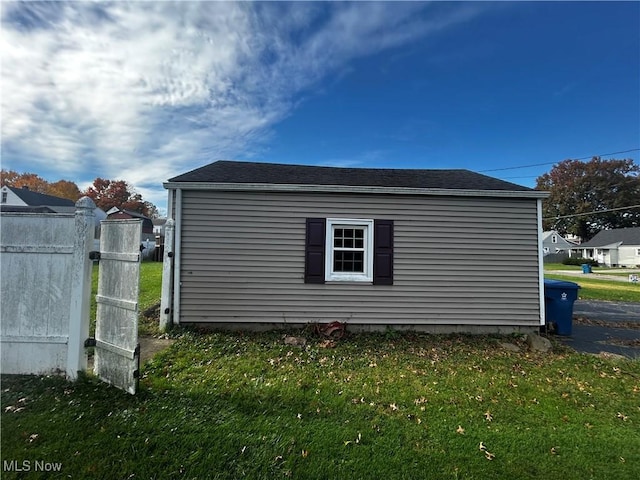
146, 90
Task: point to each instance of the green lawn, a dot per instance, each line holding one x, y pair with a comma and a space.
597, 289
241, 405
150, 284
593, 288
375, 406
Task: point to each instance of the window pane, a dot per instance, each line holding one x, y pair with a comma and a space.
348, 238
338, 235
348, 262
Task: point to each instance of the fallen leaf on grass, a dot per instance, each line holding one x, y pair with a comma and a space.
356, 441
487, 416
622, 416
487, 454
460, 431
305, 453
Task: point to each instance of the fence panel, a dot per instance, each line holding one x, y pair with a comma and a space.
44, 290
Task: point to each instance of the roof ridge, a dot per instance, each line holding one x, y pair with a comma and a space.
263, 173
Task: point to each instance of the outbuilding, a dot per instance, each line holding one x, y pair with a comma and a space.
260, 245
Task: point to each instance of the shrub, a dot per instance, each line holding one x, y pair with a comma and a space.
579, 261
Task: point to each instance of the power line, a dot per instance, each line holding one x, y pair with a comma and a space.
552, 163
592, 213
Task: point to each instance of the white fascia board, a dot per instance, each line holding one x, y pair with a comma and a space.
275, 187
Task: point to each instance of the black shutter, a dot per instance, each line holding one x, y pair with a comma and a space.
314, 251
383, 252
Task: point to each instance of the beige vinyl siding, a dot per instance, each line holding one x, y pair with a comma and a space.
457, 260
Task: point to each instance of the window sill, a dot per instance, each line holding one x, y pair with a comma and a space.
348, 282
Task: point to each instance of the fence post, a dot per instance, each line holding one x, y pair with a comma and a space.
80, 287
167, 277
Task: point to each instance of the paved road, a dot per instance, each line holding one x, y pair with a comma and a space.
607, 328
608, 311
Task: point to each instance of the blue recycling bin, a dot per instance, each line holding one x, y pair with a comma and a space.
586, 268
559, 296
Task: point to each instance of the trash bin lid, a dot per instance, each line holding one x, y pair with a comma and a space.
560, 284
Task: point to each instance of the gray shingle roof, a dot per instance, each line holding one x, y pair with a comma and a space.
25, 209
36, 199
271, 173
628, 236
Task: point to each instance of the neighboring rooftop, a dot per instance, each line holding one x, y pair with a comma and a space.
131, 213
36, 199
624, 236
25, 209
230, 172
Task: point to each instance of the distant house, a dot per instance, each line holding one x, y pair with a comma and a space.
29, 201
26, 201
115, 213
259, 245
158, 226
553, 242
618, 247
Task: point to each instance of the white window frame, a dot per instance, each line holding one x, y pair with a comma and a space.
367, 275
638, 252
554, 239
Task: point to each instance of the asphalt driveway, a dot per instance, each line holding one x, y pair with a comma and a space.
611, 327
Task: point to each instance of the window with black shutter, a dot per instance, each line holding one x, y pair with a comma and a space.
349, 250
314, 254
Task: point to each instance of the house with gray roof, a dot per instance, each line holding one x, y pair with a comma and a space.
554, 243
618, 247
261, 245
28, 200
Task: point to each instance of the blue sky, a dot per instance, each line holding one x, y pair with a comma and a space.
144, 91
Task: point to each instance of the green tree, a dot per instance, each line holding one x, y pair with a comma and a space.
595, 186
118, 193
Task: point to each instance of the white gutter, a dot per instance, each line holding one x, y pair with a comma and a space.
177, 244
540, 263
168, 270
280, 187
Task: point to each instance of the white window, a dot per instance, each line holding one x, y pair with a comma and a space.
4, 197
349, 255
638, 252
554, 239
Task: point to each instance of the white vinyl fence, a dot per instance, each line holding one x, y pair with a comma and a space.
45, 289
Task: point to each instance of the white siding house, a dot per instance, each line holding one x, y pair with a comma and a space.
618, 247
